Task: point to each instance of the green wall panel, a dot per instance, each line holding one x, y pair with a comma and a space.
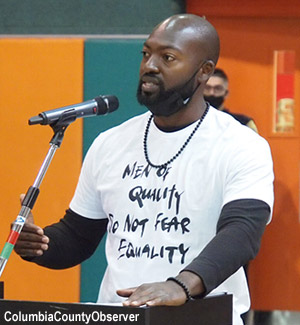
84, 16
110, 67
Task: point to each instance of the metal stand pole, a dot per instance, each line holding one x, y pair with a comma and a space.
31, 195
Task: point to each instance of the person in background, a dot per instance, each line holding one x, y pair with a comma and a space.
217, 90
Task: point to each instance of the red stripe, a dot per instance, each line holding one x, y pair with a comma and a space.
13, 236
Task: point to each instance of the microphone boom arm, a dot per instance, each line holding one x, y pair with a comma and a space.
33, 191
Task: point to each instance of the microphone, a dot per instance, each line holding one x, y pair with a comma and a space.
100, 105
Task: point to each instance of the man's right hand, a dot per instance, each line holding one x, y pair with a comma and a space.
32, 241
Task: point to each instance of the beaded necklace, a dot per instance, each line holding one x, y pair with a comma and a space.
180, 150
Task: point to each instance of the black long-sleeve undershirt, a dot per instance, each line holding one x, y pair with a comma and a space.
72, 240
239, 230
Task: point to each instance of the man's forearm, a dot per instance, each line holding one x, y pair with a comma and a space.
237, 241
72, 240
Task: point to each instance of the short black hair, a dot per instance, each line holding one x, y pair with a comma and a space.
220, 73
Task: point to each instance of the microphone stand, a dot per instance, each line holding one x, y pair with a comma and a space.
59, 129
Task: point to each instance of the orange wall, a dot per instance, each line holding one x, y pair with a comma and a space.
38, 75
247, 47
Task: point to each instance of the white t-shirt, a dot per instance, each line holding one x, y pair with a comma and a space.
161, 219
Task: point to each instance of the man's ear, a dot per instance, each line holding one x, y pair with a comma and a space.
226, 93
206, 71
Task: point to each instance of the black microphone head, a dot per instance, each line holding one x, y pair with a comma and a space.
106, 104
113, 103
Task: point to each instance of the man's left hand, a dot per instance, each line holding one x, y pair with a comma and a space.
166, 293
